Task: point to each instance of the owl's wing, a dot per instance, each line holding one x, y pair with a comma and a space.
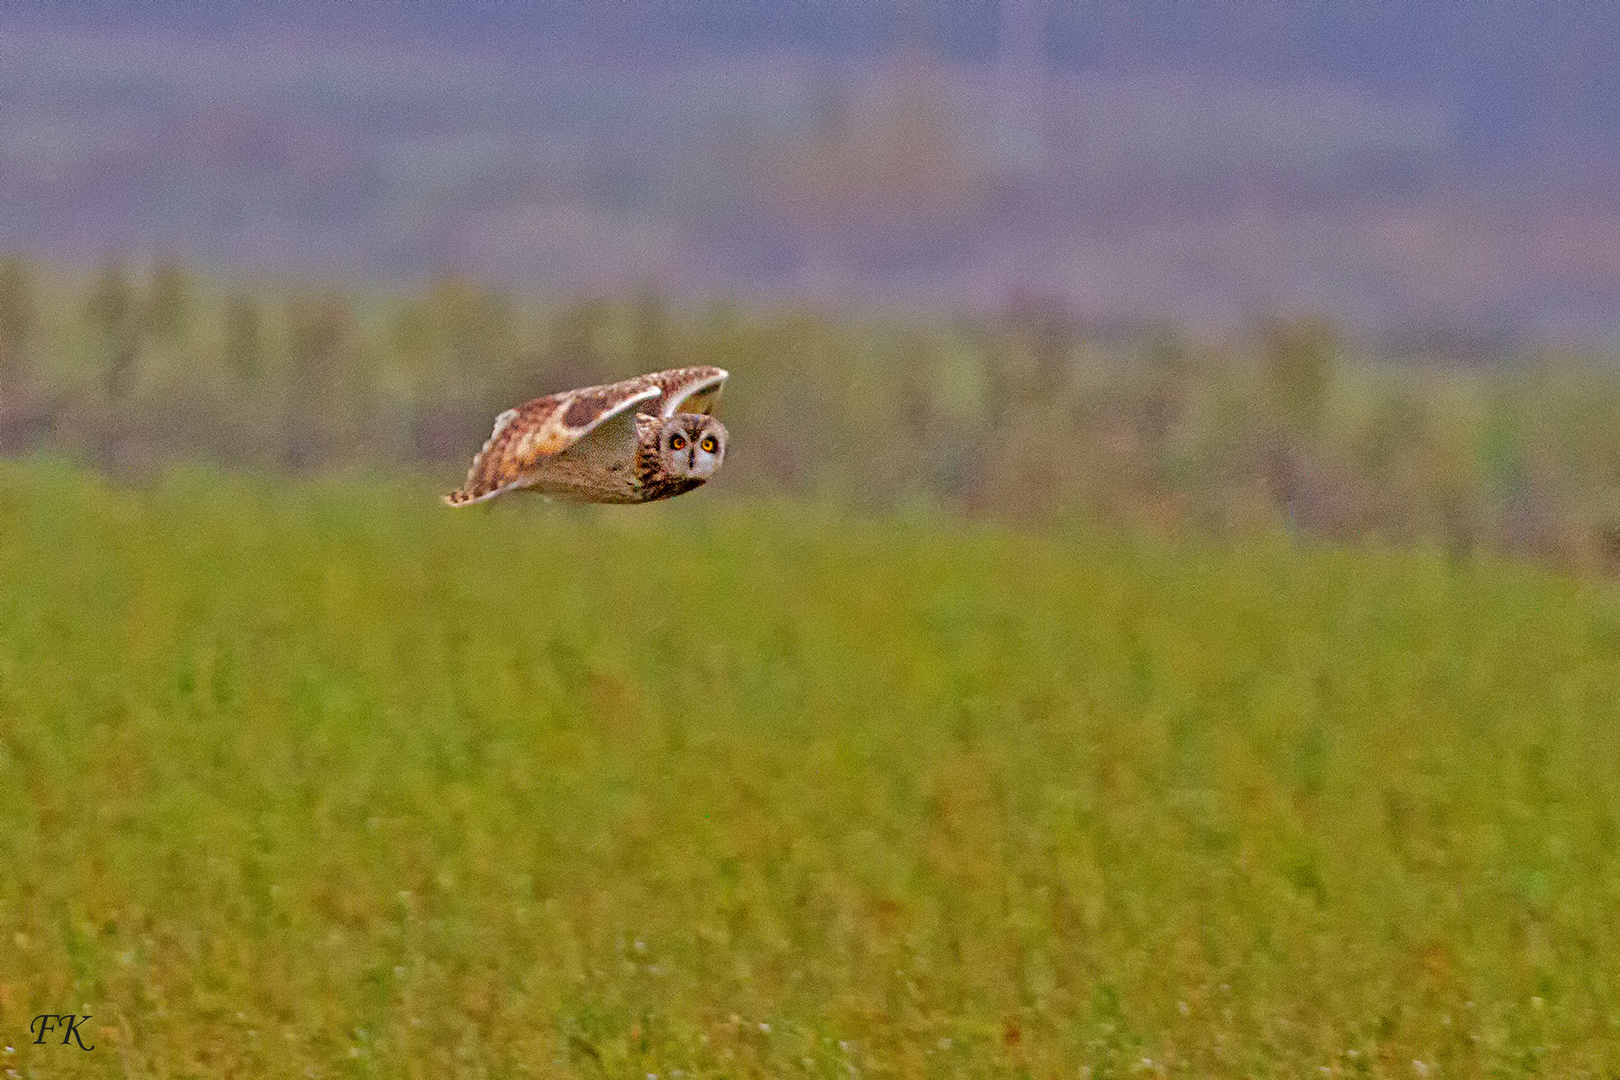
525, 436
689, 390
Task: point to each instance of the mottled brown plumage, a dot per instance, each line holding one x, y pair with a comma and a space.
635, 441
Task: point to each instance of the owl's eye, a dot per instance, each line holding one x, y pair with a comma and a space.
708, 444
678, 442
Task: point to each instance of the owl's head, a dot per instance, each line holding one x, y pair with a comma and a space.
691, 446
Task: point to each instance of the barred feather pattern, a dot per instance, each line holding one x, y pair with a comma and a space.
586, 444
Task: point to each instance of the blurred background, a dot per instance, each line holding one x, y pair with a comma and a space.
1351, 271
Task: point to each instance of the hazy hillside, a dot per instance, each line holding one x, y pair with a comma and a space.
1409, 173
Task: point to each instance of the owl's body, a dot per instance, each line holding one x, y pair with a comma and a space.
635, 441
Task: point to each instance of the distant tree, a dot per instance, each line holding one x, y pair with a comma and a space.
410, 335
1027, 355
577, 329
318, 329
111, 312
320, 339
244, 336
653, 333
472, 328
166, 314
1165, 403
1300, 355
1053, 335
1503, 454
18, 315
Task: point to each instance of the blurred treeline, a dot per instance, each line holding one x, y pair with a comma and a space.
1031, 415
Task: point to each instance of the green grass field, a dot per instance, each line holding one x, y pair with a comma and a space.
329, 780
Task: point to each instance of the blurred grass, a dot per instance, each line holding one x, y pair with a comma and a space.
327, 780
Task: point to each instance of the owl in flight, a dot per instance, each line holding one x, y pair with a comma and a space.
635, 441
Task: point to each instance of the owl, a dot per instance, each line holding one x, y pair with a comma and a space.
635, 441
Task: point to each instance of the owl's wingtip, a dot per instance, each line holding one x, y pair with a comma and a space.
462, 497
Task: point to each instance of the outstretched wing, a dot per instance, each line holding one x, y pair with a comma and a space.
688, 390
527, 435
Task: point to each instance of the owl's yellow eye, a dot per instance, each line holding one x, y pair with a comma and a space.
709, 445
678, 443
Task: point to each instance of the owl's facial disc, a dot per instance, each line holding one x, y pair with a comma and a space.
693, 445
